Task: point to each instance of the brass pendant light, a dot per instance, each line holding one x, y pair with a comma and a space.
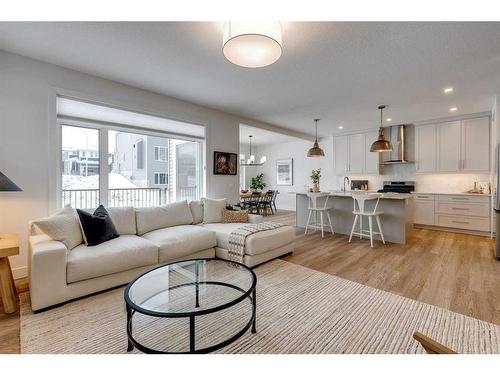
315, 151
381, 144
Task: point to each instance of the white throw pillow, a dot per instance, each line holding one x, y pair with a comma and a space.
169, 215
212, 210
63, 226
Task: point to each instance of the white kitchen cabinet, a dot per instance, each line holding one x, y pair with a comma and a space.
372, 159
341, 154
454, 146
423, 213
476, 145
352, 154
449, 146
356, 153
425, 148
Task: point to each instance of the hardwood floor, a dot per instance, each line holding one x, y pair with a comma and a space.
9, 324
454, 271
450, 270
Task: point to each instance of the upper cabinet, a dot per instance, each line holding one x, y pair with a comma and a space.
449, 146
341, 156
371, 158
426, 148
476, 144
455, 146
352, 154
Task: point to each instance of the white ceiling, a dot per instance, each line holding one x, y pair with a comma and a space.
262, 136
336, 71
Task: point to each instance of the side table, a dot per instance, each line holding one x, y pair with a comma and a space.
9, 245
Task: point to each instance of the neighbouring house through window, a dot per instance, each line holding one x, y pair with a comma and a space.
117, 166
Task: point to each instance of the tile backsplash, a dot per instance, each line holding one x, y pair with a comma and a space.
430, 183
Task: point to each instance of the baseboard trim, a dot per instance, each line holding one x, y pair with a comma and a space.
20, 272
453, 230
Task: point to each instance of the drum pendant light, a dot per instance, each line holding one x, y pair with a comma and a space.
381, 144
315, 151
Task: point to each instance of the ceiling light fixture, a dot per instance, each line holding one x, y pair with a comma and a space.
453, 109
341, 127
388, 119
381, 144
448, 90
315, 151
251, 160
252, 44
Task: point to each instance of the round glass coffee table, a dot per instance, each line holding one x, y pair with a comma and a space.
190, 290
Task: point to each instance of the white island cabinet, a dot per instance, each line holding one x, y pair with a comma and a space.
397, 219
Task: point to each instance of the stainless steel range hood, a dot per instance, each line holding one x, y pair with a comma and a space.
402, 140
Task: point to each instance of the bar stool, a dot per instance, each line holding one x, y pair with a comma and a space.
360, 198
313, 207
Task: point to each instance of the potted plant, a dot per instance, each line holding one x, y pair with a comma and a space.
315, 176
257, 183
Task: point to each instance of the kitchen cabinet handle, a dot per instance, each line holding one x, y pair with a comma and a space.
461, 199
462, 209
422, 196
460, 222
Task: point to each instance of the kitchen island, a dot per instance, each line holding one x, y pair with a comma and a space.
397, 220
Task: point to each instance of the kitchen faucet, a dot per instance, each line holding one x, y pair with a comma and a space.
348, 181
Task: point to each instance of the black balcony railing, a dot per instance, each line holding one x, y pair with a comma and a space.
135, 197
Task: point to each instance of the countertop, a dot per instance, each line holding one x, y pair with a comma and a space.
348, 194
456, 193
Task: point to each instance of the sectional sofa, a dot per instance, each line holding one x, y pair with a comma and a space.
148, 237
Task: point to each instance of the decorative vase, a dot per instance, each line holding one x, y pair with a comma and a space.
316, 187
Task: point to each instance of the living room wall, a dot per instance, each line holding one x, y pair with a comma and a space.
27, 136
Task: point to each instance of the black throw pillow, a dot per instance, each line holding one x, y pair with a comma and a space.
97, 227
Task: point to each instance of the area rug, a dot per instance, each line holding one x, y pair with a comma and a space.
299, 311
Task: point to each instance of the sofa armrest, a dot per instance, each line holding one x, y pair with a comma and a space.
47, 271
255, 219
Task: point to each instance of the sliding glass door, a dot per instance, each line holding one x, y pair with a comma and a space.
122, 168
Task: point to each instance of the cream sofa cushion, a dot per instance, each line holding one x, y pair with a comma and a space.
119, 254
63, 226
179, 241
196, 208
124, 219
212, 210
256, 243
152, 218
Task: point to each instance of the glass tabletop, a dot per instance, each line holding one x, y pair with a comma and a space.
191, 287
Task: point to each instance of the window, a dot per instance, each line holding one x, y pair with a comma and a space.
103, 162
161, 178
161, 153
80, 166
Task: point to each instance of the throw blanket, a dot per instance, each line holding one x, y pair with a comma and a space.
238, 236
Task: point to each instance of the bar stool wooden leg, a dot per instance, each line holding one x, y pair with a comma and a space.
329, 221
308, 220
360, 227
322, 225
353, 226
7, 287
370, 224
380, 229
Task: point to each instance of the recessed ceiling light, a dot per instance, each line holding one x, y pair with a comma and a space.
453, 109
448, 90
388, 119
341, 127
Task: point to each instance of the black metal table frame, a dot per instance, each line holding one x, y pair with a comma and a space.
250, 294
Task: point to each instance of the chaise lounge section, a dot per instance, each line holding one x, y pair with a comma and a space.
148, 237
